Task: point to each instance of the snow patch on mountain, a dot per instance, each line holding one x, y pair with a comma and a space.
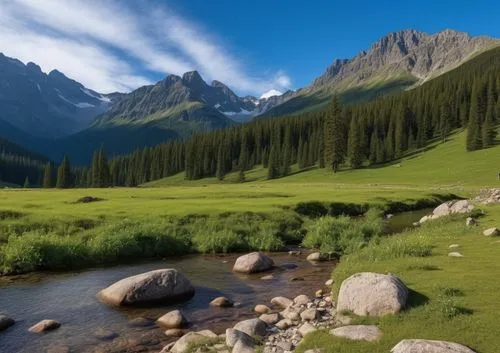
271, 93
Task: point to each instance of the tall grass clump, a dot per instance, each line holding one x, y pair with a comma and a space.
342, 235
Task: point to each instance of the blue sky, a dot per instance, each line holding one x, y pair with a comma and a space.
252, 46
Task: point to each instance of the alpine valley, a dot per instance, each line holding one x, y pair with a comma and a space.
54, 115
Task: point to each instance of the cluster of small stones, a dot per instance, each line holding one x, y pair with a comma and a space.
280, 326
304, 315
488, 196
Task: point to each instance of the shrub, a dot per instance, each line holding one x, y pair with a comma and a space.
341, 235
313, 209
217, 241
266, 238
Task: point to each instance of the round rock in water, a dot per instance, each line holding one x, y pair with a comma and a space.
222, 302
173, 319
44, 326
372, 294
166, 285
428, 346
252, 327
5, 322
253, 263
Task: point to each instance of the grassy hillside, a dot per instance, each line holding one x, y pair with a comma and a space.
440, 165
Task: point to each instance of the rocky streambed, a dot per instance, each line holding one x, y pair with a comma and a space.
88, 325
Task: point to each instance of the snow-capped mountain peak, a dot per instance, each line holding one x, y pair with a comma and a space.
271, 93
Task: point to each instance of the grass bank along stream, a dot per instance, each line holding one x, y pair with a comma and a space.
37, 235
452, 298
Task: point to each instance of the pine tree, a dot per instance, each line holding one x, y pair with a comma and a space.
287, 153
373, 147
445, 123
488, 129
354, 145
48, 178
64, 175
334, 135
474, 125
244, 157
220, 173
273, 163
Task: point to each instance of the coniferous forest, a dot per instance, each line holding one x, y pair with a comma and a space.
341, 136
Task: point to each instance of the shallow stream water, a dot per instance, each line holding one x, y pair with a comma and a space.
71, 300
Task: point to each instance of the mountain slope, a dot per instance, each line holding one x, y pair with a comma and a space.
396, 62
46, 105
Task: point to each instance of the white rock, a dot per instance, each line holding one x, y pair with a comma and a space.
428, 346
281, 302
306, 328
173, 319
358, 332
454, 246
372, 294
455, 254
491, 232
301, 300
329, 283
253, 262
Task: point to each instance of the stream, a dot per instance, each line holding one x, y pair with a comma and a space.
88, 325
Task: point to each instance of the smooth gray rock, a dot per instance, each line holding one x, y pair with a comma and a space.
306, 328
5, 322
428, 346
173, 319
233, 336
301, 300
270, 319
243, 346
358, 332
161, 285
44, 326
281, 302
253, 262
222, 302
252, 327
182, 344
309, 314
372, 294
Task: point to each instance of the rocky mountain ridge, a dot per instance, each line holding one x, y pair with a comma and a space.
46, 105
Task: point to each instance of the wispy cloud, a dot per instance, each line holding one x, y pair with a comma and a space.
108, 46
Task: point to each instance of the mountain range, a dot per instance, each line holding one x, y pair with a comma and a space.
54, 114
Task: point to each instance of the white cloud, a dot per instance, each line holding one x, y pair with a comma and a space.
107, 46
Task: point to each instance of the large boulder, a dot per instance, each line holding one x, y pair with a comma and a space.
358, 332
449, 208
173, 319
428, 346
243, 346
166, 285
5, 322
252, 327
253, 262
372, 294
